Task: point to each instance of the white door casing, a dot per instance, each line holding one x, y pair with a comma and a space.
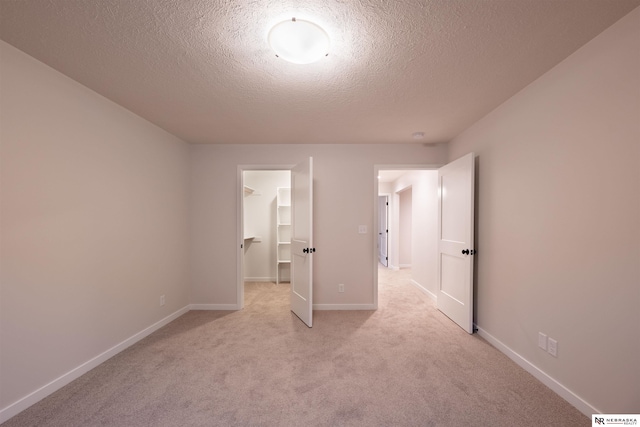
302, 241
455, 240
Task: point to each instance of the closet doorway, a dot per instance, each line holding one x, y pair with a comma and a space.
266, 218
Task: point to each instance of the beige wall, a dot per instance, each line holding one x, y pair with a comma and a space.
558, 219
94, 225
405, 229
344, 197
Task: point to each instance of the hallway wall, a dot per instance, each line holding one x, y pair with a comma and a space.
405, 231
424, 220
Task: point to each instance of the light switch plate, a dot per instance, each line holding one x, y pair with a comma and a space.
553, 347
362, 229
542, 340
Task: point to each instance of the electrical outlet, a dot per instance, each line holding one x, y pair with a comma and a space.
161, 300
542, 341
553, 347
341, 287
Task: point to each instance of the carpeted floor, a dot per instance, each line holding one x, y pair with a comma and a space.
403, 365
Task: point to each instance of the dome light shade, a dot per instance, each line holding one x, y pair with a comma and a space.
299, 41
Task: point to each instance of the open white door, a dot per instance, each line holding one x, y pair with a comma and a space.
302, 241
383, 229
455, 240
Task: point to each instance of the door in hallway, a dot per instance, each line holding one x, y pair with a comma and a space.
455, 240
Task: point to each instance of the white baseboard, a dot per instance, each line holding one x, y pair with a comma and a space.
344, 307
424, 290
221, 307
405, 266
259, 279
540, 375
44, 391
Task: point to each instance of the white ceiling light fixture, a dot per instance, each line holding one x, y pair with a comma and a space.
299, 41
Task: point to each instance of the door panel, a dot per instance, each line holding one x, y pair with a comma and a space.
453, 277
455, 227
302, 241
455, 240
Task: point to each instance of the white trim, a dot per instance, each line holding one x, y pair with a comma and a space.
55, 385
240, 235
215, 307
259, 279
562, 391
324, 307
405, 266
424, 290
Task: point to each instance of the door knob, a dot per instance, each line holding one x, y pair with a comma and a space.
465, 252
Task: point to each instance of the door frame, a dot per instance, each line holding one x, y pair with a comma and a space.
376, 171
240, 221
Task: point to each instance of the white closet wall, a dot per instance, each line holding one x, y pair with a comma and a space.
260, 223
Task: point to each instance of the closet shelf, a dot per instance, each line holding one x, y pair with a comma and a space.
250, 191
283, 231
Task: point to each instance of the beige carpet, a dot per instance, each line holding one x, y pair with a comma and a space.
402, 365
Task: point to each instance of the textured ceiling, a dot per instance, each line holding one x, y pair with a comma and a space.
202, 69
